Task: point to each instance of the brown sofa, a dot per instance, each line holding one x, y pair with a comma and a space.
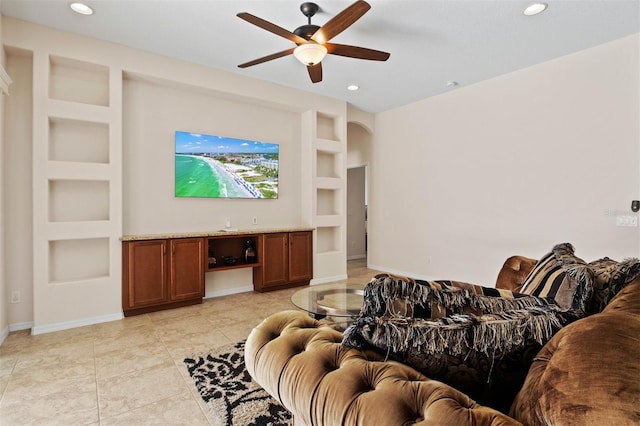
588, 373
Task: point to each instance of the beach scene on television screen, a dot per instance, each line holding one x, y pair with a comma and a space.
219, 167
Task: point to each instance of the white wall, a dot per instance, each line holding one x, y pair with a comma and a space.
152, 113
4, 316
511, 165
17, 190
359, 145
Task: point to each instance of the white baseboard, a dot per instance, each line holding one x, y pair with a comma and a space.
17, 326
4, 335
48, 328
357, 257
228, 291
326, 280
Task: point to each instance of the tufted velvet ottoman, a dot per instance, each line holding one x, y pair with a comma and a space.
302, 363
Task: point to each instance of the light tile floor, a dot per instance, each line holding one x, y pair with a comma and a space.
128, 372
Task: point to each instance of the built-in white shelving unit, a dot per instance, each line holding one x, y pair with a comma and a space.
328, 211
77, 192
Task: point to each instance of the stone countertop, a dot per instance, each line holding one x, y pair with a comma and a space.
219, 233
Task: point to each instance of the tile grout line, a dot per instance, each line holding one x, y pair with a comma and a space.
192, 389
95, 376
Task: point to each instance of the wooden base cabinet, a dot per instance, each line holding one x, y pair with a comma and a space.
161, 274
287, 261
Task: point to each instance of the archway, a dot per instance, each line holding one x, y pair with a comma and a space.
359, 148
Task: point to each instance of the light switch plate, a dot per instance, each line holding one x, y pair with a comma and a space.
627, 220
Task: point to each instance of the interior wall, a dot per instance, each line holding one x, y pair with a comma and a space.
17, 188
512, 165
4, 316
152, 113
359, 147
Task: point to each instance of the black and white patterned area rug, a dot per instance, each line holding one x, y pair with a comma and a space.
228, 389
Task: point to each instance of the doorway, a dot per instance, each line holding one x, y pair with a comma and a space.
357, 213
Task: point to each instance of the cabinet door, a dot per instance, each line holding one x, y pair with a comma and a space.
275, 259
187, 268
300, 256
145, 267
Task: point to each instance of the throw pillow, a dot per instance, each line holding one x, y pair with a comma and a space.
561, 276
610, 278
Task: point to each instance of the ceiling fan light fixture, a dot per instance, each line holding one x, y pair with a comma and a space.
535, 8
310, 53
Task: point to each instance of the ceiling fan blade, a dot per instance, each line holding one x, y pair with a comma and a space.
273, 28
315, 72
267, 58
341, 21
356, 52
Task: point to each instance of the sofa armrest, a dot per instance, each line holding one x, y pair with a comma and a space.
514, 271
303, 365
588, 373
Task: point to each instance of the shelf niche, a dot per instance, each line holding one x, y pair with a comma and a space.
230, 246
78, 81
326, 127
327, 202
78, 141
328, 239
78, 200
78, 259
327, 164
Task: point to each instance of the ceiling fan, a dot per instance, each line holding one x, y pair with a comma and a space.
313, 41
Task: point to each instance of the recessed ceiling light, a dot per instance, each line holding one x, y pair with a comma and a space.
535, 8
81, 8
353, 87
451, 83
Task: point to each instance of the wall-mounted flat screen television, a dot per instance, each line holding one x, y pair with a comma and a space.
210, 166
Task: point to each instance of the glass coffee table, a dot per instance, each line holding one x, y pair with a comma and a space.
338, 303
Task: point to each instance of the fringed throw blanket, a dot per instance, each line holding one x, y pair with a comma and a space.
399, 313
475, 338
611, 277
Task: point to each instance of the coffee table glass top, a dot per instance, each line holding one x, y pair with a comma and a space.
335, 300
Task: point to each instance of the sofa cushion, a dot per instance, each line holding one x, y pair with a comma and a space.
610, 278
562, 277
588, 373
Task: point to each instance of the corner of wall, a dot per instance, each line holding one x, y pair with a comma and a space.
4, 317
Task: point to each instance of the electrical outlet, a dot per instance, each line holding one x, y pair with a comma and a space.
254, 220
15, 297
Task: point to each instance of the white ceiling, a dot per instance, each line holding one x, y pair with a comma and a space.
431, 41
